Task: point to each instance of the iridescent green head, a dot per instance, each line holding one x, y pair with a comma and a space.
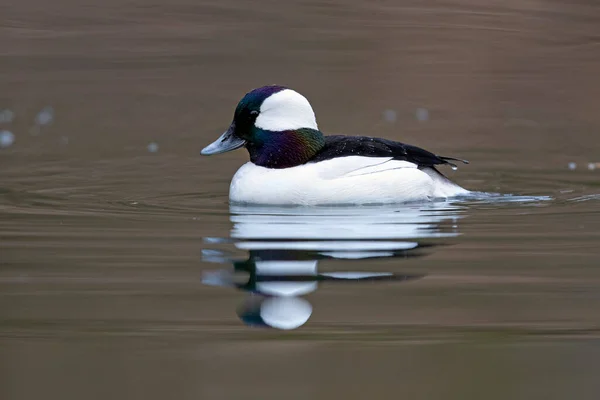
276, 125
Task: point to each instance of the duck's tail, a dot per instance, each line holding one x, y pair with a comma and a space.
448, 159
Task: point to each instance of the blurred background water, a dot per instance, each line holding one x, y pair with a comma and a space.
124, 273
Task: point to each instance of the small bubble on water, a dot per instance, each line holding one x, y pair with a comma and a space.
592, 166
390, 116
422, 114
454, 167
153, 147
6, 116
572, 166
45, 117
7, 138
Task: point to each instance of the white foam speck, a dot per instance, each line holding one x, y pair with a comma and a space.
572, 166
422, 114
592, 166
45, 116
153, 147
390, 116
7, 138
6, 116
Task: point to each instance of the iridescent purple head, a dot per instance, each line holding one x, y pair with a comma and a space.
276, 124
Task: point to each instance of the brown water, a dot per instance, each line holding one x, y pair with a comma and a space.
113, 259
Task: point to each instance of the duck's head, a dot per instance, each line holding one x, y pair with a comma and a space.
276, 125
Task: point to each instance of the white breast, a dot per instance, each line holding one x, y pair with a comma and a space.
344, 180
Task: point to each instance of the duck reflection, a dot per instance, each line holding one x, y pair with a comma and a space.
285, 246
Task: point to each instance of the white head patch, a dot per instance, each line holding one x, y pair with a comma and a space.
286, 110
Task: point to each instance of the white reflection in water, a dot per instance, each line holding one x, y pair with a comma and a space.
286, 244
359, 222
276, 269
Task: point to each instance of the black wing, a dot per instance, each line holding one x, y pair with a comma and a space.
343, 146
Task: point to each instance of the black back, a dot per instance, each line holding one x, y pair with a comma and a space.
344, 146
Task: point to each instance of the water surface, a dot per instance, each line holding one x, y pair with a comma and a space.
125, 273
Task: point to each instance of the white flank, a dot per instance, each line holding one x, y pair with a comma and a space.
286, 110
344, 180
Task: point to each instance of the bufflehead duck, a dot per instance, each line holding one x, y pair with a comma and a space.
292, 162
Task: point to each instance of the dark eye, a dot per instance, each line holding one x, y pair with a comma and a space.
254, 113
